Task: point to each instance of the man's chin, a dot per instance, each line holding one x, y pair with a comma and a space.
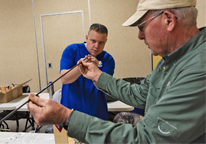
94, 54
154, 54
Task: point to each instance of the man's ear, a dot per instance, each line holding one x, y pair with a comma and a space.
170, 20
106, 41
86, 37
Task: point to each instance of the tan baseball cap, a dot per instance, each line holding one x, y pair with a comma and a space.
146, 5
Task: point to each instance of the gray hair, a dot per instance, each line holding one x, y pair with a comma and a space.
187, 15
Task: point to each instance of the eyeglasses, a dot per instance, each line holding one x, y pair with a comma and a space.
140, 25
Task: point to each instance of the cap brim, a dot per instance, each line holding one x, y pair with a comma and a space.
134, 18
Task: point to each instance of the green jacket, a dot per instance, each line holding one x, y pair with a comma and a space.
173, 96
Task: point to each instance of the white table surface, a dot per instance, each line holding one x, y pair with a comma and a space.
15, 103
119, 106
24, 99
26, 138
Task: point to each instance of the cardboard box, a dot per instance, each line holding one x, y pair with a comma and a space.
12, 93
61, 137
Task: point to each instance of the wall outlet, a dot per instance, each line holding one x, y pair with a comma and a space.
49, 65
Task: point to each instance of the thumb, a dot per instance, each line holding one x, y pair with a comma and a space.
84, 63
36, 100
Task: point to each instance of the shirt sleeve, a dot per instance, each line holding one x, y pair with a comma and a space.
131, 94
109, 66
170, 120
68, 58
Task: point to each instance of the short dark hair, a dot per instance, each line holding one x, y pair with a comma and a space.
98, 28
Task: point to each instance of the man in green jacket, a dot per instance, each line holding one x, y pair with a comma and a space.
173, 94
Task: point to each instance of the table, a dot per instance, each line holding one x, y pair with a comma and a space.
118, 106
27, 138
15, 103
24, 99
22, 113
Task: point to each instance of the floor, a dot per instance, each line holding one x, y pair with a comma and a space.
22, 122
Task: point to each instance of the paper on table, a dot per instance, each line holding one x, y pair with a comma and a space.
30, 138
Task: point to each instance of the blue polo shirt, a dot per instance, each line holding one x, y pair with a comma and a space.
82, 95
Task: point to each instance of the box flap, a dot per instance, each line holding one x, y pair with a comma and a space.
22, 83
19, 85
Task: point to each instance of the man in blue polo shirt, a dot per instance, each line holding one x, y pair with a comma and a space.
78, 92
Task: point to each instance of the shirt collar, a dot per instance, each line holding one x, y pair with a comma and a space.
187, 47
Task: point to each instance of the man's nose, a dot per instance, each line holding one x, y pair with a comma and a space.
96, 44
141, 35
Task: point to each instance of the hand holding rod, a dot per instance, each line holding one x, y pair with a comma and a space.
11, 113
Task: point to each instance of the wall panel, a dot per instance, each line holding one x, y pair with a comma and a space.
17, 43
60, 31
131, 55
52, 31
18, 56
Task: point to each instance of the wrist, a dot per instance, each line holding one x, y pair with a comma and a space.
96, 77
66, 122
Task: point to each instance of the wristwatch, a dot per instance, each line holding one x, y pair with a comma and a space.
66, 123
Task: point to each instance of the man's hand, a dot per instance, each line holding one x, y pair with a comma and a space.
89, 69
92, 59
46, 111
